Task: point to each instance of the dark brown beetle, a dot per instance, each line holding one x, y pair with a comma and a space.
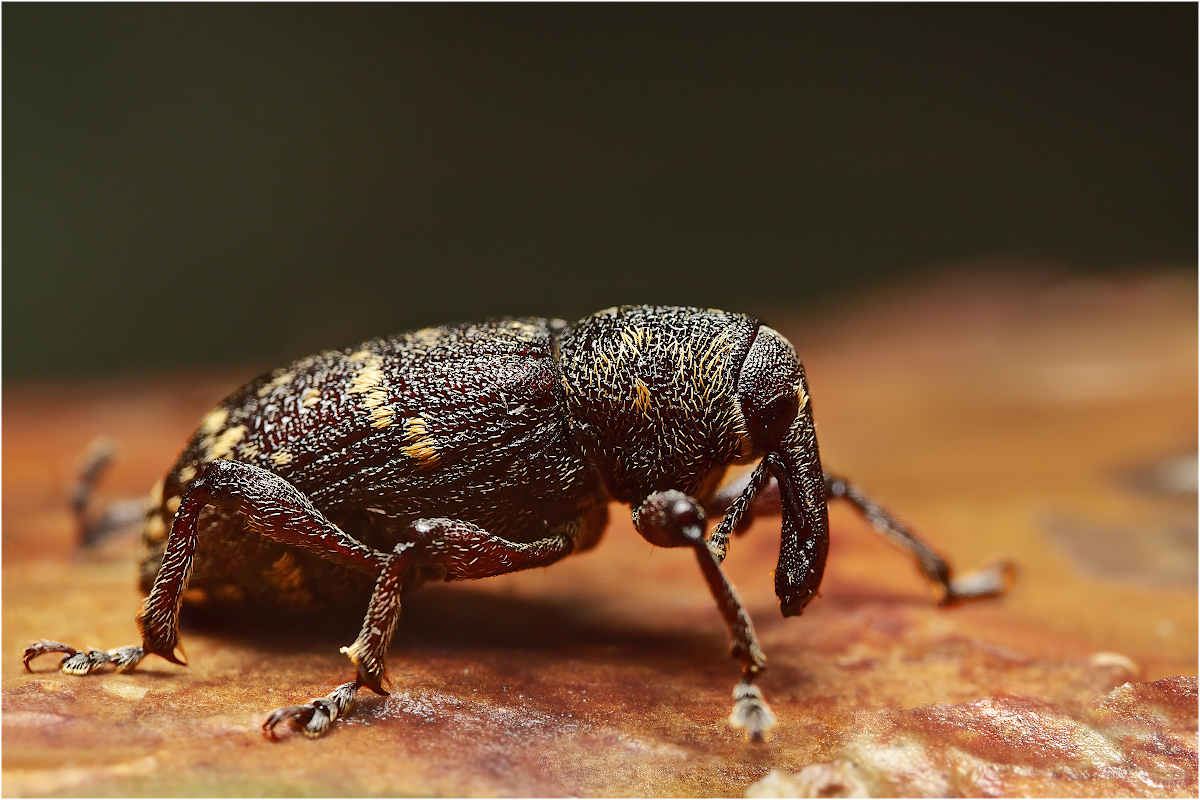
477, 450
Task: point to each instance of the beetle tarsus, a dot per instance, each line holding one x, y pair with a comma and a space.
80, 662
993, 579
314, 718
751, 713
84, 662
296, 716
44, 647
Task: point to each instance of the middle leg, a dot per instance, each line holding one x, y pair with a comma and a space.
444, 548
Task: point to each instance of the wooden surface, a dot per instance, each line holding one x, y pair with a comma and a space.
1018, 415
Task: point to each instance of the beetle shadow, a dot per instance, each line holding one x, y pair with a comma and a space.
450, 619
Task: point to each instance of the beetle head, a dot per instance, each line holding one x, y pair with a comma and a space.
769, 390
773, 397
666, 397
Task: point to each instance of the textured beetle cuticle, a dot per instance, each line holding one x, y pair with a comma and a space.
423, 446
214, 420
154, 499
475, 450
277, 383
154, 530
221, 446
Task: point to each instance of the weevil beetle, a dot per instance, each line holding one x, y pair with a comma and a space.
477, 450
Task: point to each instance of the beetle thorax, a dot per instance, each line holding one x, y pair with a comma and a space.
651, 394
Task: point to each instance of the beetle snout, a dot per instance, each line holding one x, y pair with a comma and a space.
804, 533
794, 605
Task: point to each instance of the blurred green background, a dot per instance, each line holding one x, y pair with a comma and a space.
195, 185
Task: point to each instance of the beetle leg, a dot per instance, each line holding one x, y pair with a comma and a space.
992, 580
449, 548
315, 717
673, 519
75, 662
95, 527
272, 507
738, 502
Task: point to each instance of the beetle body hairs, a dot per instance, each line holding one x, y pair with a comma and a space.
476, 450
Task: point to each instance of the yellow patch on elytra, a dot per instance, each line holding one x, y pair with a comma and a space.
222, 445
172, 505
643, 401
281, 458
155, 530
248, 450
423, 447
214, 420
426, 336
154, 499
382, 416
368, 377
802, 399
374, 398
368, 381
414, 428
309, 397
282, 380
524, 327
360, 355
187, 474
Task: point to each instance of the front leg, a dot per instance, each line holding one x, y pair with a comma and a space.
673, 519
756, 494
991, 580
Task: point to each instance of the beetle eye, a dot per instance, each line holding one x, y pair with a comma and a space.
768, 424
768, 389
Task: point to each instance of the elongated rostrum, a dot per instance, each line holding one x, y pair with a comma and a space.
475, 450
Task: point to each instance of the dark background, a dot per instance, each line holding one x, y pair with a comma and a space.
206, 184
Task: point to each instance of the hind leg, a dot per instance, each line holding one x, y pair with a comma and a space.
98, 525
271, 506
